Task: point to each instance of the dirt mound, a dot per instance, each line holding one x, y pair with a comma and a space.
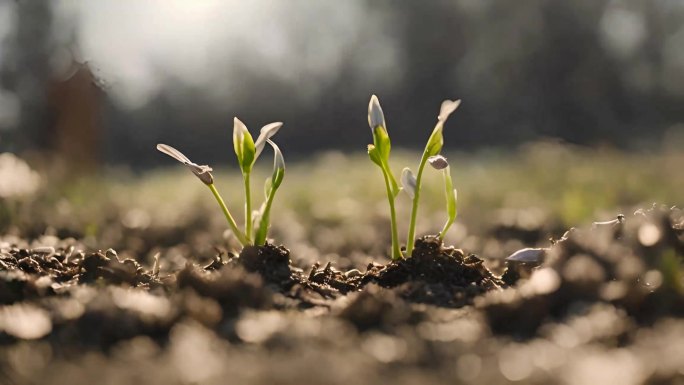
433, 274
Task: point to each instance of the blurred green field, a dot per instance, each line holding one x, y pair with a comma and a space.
333, 204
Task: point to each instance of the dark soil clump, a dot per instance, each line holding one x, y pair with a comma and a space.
437, 275
29, 273
272, 262
434, 274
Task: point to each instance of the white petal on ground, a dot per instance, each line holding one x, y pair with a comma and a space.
528, 255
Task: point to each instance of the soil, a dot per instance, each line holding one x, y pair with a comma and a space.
606, 304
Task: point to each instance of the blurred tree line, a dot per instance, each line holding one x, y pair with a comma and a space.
586, 71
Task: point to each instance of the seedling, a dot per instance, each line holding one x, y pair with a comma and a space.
270, 189
412, 185
247, 151
379, 153
204, 175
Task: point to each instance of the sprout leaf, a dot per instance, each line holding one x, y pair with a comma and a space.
408, 182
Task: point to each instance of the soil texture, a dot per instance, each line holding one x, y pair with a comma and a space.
605, 303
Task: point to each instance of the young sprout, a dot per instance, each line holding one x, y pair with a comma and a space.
247, 152
438, 162
432, 148
379, 153
270, 189
204, 174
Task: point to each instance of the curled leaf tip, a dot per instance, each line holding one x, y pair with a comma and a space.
408, 182
272, 128
438, 162
267, 132
278, 159
375, 115
448, 106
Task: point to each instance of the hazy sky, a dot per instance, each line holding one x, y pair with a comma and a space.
136, 45
299, 48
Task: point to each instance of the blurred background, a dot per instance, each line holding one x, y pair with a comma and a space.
569, 108
115, 77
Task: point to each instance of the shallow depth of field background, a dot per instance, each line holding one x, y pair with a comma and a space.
572, 112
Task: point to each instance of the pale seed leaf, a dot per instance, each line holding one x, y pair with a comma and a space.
448, 106
265, 134
408, 182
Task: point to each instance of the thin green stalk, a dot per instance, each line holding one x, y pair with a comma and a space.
447, 190
396, 251
262, 232
414, 209
248, 207
233, 226
451, 201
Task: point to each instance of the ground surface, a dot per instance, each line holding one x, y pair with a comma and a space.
604, 303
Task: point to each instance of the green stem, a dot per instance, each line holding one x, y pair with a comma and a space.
248, 207
396, 251
444, 230
446, 188
262, 232
233, 226
414, 209
451, 207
